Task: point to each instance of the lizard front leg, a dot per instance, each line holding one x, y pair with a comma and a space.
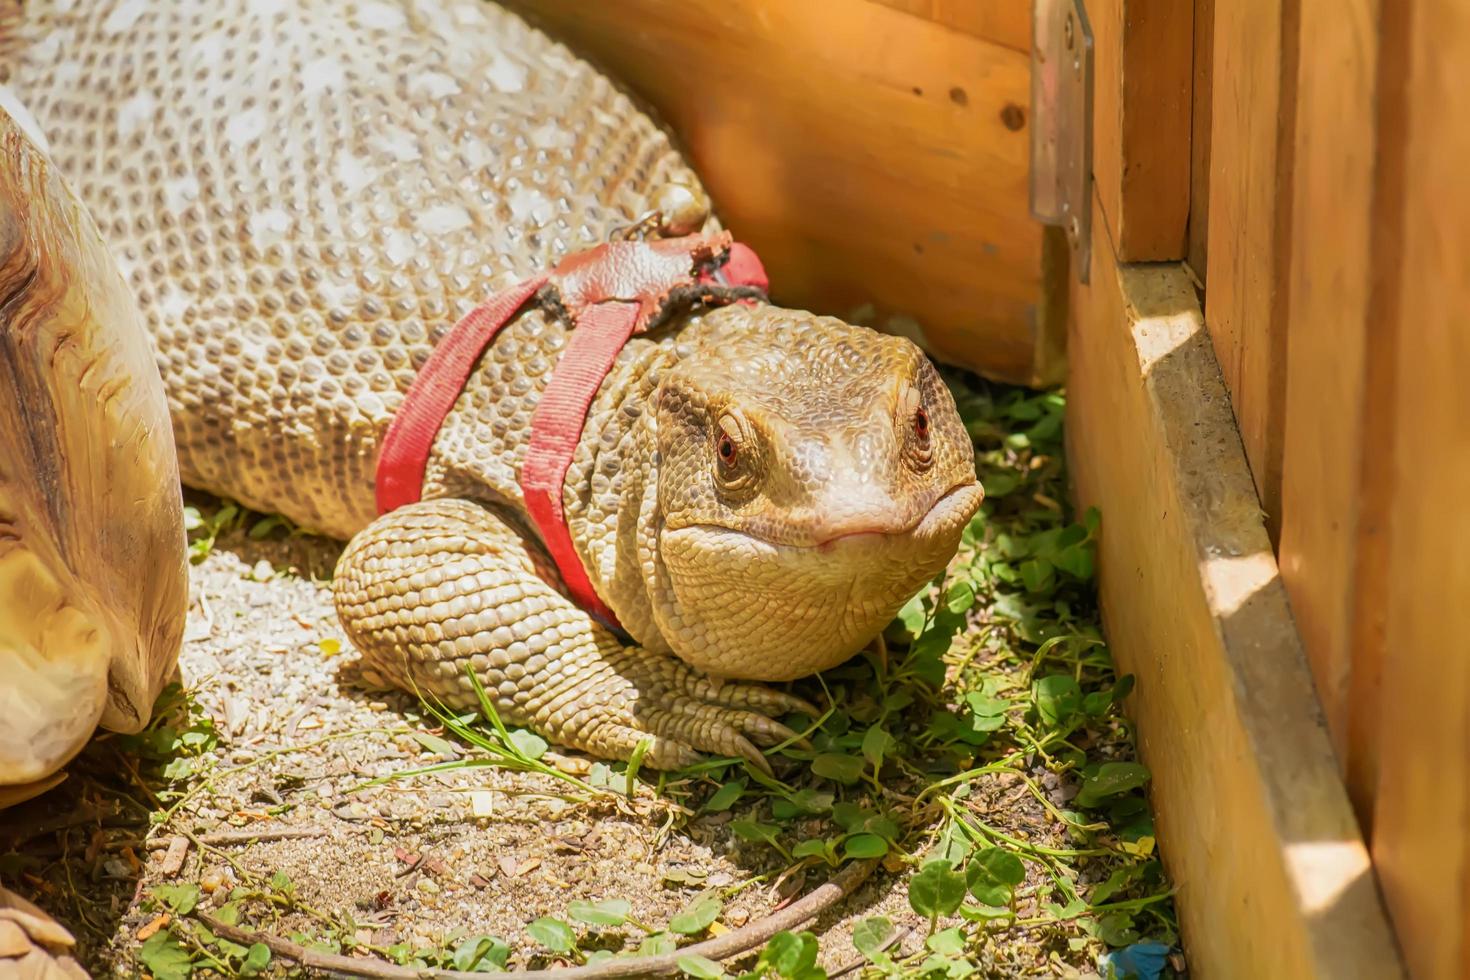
434, 589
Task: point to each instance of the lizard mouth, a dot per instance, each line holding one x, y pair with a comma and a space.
944, 515
957, 504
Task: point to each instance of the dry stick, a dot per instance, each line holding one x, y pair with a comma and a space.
742, 940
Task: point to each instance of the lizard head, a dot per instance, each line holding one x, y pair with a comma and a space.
810, 482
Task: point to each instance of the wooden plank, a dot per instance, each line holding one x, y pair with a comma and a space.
1251, 145
1254, 825
1422, 831
1199, 140
1142, 64
1005, 22
868, 155
1344, 254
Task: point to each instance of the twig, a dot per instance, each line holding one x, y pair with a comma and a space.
731, 944
226, 837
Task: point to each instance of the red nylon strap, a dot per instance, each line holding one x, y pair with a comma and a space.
556, 428
410, 436
610, 291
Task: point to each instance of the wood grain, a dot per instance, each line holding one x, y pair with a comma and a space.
1143, 63
1255, 827
1251, 144
1422, 831
869, 155
1344, 256
1005, 22
1199, 140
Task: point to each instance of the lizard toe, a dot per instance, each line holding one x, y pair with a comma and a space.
752, 697
708, 728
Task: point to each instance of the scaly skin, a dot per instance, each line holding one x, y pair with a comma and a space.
306, 195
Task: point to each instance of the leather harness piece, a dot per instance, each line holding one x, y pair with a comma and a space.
608, 293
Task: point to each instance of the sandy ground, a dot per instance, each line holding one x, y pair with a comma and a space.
408, 861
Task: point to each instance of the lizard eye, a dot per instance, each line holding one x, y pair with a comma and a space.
726, 449
921, 423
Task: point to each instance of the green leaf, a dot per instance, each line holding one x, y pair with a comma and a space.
165, 958
876, 744
263, 527
1037, 574
986, 705
178, 769
992, 875
816, 847
478, 952
789, 954
1116, 882
435, 744
697, 915
1116, 929
912, 615
658, 944
527, 743
936, 890
1058, 699
869, 935
700, 967
811, 801
1076, 561
257, 958
999, 484
180, 898
228, 913
953, 846
1111, 779
554, 934
947, 942
725, 797
864, 846
608, 912
754, 830
960, 598
1092, 520
281, 883
845, 769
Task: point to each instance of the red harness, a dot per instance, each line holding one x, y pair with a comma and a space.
609, 292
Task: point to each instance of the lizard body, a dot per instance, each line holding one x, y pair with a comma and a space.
305, 196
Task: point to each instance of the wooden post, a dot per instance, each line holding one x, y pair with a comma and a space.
1143, 58
1252, 100
1422, 832
1255, 827
1345, 254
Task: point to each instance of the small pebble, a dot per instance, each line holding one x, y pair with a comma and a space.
428, 886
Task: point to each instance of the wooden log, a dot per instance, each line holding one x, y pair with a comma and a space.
1255, 827
868, 154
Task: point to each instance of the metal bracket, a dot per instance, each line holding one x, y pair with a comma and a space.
1061, 129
